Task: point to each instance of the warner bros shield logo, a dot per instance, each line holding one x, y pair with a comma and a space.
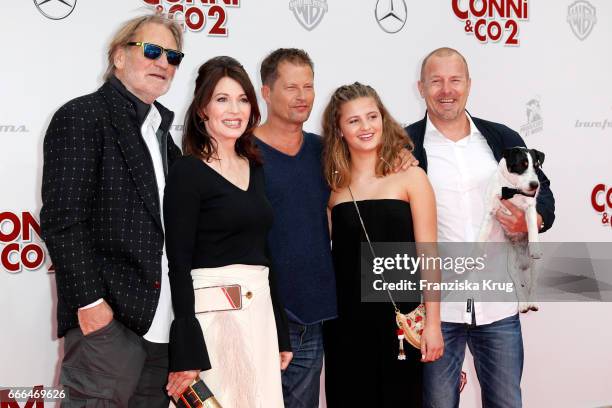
308, 13
581, 18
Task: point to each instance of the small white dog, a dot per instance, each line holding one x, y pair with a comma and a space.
516, 180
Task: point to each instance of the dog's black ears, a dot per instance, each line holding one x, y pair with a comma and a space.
510, 154
506, 154
537, 156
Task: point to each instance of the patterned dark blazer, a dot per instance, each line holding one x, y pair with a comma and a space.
100, 217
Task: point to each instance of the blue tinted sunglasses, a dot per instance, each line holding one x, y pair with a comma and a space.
154, 51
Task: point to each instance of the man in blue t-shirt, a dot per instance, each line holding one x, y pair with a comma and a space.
299, 239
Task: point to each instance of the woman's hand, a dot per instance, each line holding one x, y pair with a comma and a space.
285, 359
432, 343
178, 381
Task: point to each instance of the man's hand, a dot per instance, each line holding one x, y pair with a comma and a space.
285, 359
432, 343
404, 160
95, 318
178, 381
514, 222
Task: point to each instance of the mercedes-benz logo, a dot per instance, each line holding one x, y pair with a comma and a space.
390, 15
55, 9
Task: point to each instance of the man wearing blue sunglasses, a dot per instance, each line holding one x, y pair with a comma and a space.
106, 155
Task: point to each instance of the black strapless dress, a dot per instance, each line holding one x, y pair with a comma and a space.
361, 346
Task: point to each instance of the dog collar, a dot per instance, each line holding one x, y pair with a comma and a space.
508, 193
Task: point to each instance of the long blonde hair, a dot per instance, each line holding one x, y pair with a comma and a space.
336, 155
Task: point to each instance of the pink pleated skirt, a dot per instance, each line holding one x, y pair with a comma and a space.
242, 344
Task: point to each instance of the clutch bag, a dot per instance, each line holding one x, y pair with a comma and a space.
197, 395
412, 325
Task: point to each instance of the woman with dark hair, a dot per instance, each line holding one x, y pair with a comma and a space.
228, 319
371, 201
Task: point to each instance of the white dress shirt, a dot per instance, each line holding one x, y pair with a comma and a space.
460, 173
159, 332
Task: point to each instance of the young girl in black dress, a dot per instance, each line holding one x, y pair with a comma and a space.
362, 142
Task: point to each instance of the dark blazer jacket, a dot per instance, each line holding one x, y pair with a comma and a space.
499, 137
100, 217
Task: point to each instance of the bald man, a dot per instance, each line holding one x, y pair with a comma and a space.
460, 154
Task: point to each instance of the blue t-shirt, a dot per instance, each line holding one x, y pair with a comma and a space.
299, 239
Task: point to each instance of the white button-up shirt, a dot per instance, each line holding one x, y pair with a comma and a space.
159, 332
460, 173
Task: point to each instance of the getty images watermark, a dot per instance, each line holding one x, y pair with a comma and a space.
410, 264
487, 272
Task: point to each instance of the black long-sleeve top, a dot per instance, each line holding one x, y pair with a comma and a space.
210, 222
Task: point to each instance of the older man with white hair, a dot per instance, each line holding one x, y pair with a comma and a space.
106, 155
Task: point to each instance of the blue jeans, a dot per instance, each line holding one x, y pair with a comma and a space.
301, 378
498, 358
